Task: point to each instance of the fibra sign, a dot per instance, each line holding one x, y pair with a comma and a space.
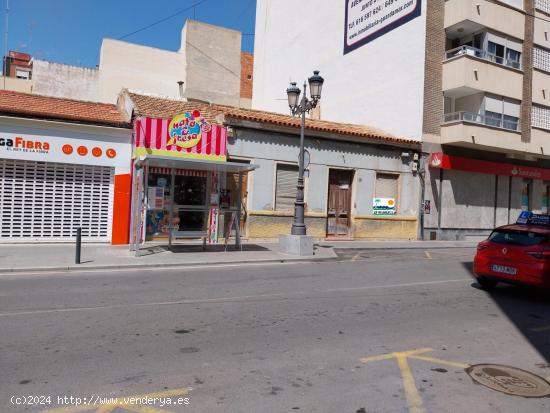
18, 144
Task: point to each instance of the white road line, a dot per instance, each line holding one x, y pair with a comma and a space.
222, 300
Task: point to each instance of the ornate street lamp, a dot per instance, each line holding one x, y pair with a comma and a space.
301, 107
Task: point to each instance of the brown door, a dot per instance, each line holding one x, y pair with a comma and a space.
339, 203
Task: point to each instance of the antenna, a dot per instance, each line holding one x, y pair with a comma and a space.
6, 42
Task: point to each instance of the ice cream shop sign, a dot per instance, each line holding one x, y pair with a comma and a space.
188, 135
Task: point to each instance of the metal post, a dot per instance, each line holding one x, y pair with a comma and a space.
238, 243
299, 226
78, 245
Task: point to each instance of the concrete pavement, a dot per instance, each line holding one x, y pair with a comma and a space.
61, 256
308, 337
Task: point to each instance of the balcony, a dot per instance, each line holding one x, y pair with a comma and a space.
471, 117
468, 129
468, 70
492, 15
481, 54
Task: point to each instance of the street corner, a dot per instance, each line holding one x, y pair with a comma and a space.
166, 401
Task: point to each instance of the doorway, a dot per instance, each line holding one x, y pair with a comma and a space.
339, 203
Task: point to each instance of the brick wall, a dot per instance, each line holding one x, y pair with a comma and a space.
435, 50
247, 69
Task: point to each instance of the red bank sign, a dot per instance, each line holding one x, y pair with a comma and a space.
442, 161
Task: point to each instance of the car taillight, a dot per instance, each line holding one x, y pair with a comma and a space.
540, 255
481, 247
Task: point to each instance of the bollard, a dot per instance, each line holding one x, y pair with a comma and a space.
78, 245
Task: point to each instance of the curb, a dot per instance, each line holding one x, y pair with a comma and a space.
75, 268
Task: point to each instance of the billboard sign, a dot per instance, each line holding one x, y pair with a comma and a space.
367, 20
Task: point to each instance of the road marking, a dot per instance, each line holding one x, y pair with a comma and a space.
356, 256
540, 329
126, 403
428, 255
414, 400
221, 300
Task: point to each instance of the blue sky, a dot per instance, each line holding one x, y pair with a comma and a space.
70, 31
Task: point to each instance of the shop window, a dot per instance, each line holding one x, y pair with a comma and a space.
526, 195
387, 186
545, 194
285, 189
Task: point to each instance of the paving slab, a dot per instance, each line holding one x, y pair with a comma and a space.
61, 257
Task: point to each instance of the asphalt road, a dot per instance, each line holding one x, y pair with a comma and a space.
270, 338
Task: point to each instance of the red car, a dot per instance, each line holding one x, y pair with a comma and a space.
516, 254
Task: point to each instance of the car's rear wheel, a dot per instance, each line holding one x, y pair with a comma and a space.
486, 283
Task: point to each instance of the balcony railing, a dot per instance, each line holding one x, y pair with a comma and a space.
481, 54
497, 122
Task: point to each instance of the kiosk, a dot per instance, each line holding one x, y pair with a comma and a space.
180, 182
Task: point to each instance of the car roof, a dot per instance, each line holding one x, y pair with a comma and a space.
539, 229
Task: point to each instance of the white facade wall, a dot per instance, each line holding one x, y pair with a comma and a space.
132, 66
379, 84
65, 81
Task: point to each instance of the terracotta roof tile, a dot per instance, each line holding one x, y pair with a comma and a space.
154, 106
52, 108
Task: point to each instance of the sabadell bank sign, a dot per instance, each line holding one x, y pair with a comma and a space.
367, 20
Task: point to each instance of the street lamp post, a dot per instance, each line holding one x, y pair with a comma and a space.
301, 107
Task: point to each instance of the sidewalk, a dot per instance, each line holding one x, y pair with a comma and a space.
61, 257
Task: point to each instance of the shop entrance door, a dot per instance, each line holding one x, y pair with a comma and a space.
339, 203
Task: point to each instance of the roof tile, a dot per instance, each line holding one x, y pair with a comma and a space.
156, 106
46, 107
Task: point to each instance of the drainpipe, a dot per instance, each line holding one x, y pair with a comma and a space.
422, 177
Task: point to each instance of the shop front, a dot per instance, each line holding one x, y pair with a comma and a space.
182, 180
56, 177
467, 197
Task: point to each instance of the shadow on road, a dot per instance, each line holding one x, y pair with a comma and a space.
527, 307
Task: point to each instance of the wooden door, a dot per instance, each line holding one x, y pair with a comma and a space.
339, 203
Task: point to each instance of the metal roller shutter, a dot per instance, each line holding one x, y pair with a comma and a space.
48, 201
285, 191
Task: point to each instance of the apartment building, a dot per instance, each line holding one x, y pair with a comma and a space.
469, 78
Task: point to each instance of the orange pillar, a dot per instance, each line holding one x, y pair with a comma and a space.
121, 209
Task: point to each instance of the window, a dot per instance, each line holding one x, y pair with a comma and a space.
493, 119
22, 74
387, 186
545, 194
516, 237
504, 50
285, 189
541, 59
501, 112
543, 5
540, 117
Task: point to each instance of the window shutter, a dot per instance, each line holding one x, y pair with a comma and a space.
386, 186
285, 192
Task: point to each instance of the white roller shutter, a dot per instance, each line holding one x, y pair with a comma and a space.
48, 201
